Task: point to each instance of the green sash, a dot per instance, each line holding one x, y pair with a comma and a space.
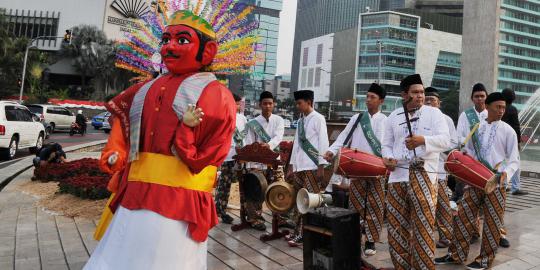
261, 133
259, 130
238, 137
306, 146
374, 143
473, 120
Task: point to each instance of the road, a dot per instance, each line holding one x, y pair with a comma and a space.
63, 138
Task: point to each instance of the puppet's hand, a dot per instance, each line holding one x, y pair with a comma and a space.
193, 116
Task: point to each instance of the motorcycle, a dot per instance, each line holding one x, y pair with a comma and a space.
77, 129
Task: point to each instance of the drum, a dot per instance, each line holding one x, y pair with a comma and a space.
254, 186
471, 171
353, 163
280, 197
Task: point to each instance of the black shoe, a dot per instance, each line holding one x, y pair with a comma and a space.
447, 259
519, 192
475, 266
504, 242
443, 243
474, 239
296, 241
369, 249
227, 219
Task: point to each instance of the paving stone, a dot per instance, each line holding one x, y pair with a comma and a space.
515, 264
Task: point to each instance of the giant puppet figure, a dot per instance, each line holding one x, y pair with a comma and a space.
169, 136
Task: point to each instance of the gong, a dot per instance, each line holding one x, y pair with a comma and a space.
280, 197
255, 186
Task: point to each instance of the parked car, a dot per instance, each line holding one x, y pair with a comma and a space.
19, 129
98, 120
47, 126
106, 127
57, 117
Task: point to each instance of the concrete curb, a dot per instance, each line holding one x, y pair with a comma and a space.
13, 170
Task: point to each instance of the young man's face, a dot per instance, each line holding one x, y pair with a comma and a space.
267, 105
416, 95
373, 101
433, 101
303, 105
496, 109
238, 106
479, 98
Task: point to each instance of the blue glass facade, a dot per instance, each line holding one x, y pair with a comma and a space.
447, 71
398, 33
519, 48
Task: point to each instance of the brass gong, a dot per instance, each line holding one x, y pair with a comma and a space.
280, 197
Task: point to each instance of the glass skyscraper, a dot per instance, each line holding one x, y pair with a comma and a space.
447, 71
266, 12
519, 48
398, 33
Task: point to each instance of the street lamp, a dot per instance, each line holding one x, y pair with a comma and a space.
28, 47
330, 103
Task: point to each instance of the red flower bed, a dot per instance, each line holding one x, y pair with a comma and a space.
81, 178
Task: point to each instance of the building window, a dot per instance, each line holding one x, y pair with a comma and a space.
303, 79
318, 77
305, 57
310, 77
319, 53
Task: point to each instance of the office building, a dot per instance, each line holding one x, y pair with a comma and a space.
501, 47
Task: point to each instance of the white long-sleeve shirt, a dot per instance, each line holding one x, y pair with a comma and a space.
453, 144
464, 127
240, 125
499, 145
274, 127
437, 140
316, 134
358, 139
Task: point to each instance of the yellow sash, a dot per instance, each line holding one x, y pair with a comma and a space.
162, 170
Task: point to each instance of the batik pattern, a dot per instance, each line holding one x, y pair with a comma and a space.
411, 218
444, 212
367, 198
228, 173
465, 224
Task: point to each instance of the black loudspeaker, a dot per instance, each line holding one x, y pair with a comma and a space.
331, 239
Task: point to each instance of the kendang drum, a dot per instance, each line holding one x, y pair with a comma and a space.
353, 163
471, 171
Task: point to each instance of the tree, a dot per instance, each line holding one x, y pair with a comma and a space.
450, 103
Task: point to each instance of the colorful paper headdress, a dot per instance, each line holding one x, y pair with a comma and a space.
226, 21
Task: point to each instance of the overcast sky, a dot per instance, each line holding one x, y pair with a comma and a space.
286, 37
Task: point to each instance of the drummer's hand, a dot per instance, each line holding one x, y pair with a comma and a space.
390, 163
414, 141
502, 180
328, 156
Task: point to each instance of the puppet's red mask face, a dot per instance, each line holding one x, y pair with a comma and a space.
180, 46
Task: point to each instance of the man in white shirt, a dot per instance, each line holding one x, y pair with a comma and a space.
310, 144
413, 162
443, 214
229, 169
266, 129
365, 132
494, 145
467, 119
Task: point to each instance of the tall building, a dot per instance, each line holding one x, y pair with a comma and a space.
501, 47
446, 7
267, 13
315, 18
396, 4
408, 46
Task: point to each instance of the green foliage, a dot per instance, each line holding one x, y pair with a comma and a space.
450, 103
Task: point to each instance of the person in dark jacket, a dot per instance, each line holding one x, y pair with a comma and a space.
511, 117
50, 153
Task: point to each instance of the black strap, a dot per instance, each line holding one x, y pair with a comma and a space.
349, 136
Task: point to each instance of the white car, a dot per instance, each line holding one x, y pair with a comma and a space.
57, 117
18, 129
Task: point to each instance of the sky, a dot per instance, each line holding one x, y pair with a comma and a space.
286, 37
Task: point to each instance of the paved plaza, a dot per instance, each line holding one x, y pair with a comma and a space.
31, 238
